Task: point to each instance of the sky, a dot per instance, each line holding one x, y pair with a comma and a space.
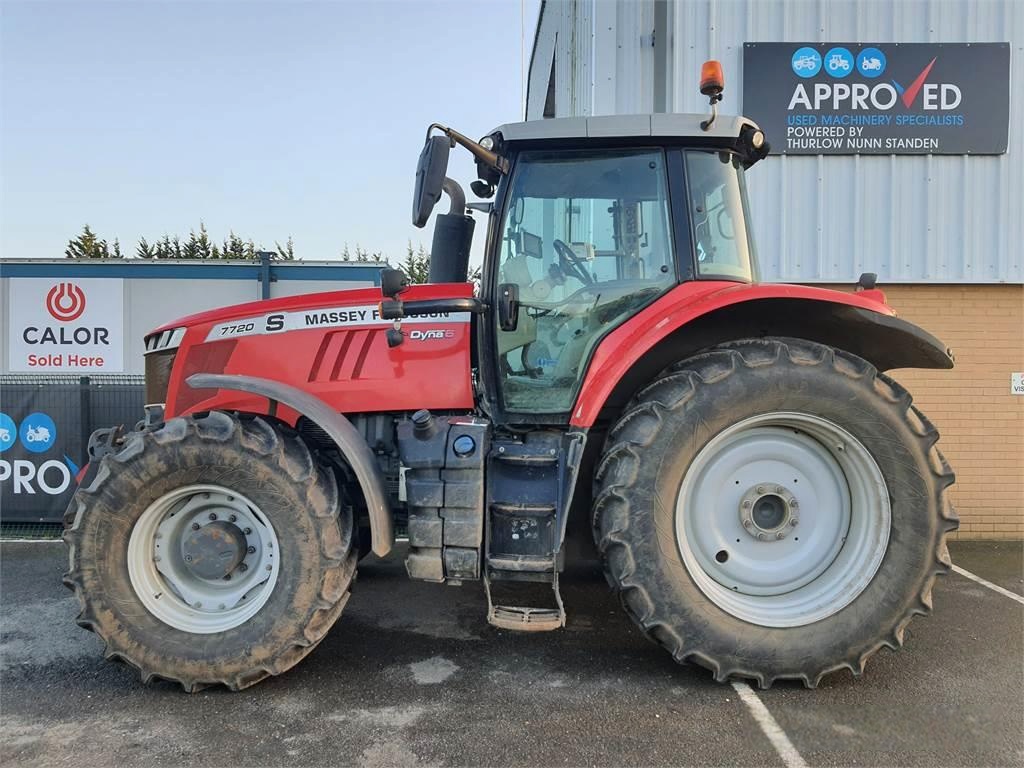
272, 119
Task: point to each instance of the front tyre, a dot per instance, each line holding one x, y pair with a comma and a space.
788, 516
211, 550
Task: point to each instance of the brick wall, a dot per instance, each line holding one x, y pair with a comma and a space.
982, 424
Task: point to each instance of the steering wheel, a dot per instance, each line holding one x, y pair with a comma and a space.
571, 263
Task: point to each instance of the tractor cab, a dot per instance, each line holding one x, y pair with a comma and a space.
592, 220
588, 231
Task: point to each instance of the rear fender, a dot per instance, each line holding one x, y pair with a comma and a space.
351, 444
698, 315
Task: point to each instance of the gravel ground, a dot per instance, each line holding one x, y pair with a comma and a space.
412, 675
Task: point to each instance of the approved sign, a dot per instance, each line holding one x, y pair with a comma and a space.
66, 326
879, 98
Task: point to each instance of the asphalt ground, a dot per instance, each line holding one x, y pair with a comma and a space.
413, 675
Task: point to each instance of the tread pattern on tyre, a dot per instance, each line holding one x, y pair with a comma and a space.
279, 449
619, 467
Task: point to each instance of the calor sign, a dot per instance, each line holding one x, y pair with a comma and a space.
66, 326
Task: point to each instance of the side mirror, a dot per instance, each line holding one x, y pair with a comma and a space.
430, 174
508, 306
393, 282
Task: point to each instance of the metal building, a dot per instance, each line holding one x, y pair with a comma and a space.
944, 232
951, 218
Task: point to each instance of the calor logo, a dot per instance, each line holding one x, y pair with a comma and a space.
65, 302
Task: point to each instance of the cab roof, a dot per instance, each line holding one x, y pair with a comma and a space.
624, 126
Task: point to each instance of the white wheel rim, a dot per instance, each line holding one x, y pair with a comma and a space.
168, 587
783, 519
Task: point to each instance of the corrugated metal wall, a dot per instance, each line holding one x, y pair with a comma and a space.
953, 219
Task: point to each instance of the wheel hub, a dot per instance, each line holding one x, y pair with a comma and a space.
213, 551
768, 511
203, 559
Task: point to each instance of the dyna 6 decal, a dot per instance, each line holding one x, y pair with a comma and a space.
323, 317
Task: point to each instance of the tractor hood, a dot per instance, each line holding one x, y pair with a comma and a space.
332, 345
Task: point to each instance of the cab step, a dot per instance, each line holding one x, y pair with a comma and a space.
525, 524
523, 618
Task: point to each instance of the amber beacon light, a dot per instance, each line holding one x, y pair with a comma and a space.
712, 83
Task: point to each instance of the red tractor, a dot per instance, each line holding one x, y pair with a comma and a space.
766, 501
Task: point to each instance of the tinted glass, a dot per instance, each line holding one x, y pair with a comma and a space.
718, 205
586, 238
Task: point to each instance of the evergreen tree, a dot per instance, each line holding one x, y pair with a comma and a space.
234, 247
287, 253
363, 256
417, 264
201, 244
144, 250
87, 246
190, 250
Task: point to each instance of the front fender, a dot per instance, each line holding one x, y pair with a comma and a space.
700, 314
351, 444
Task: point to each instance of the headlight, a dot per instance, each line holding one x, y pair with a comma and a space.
170, 339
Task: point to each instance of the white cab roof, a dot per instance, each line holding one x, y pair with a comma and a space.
614, 126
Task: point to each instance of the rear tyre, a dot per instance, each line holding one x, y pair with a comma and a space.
212, 550
773, 509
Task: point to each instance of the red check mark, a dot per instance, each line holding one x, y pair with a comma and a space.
911, 93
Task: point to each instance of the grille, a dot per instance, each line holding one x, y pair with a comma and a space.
158, 374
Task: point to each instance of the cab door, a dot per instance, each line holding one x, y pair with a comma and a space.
587, 240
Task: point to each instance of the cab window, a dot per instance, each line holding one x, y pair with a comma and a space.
586, 238
718, 206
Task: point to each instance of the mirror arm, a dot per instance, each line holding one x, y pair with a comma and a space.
396, 309
493, 159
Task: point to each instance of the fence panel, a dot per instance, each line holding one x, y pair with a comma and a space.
45, 423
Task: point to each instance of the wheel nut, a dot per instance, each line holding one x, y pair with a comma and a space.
794, 520
780, 535
247, 531
213, 515
794, 504
195, 526
760, 489
747, 523
269, 567
188, 558
779, 489
227, 577
251, 550
232, 518
762, 537
747, 504
243, 567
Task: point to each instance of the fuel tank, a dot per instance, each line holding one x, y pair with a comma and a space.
332, 345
